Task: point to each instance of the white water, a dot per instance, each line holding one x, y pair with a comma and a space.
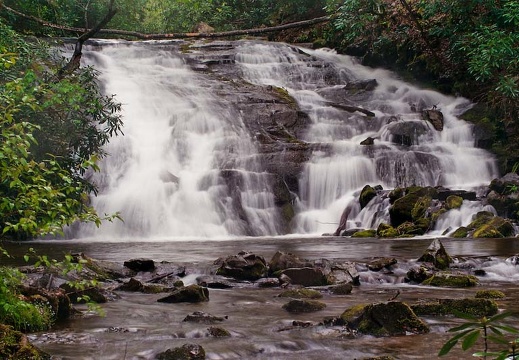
164, 176
332, 182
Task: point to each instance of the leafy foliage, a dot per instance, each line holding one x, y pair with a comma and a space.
490, 329
52, 132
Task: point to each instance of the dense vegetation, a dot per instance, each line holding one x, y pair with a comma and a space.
466, 47
49, 139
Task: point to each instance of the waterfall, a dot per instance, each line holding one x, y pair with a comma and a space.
330, 182
187, 166
176, 172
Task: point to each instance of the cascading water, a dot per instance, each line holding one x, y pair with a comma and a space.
426, 157
176, 171
187, 165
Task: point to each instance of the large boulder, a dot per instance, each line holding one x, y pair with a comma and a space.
445, 279
244, 266
495, 227
307, 276
303, 306
412, 205
184, 352
437, 255
366, 195
384, 319
474, 306
15, 345
191, 294
140, 264
282, 261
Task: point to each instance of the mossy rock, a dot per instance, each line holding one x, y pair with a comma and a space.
423, 223
218, 332
395, 194
285, 97
303, 306
366, 195
459, 233
480, 219
184, 352
386, 231
384, 319
436, 214
451, 280
409, 228
420, 207
401, 211
365, 233
490, 294
488, 232
301, 294
15, 345
453, 202
472, 306
437, 255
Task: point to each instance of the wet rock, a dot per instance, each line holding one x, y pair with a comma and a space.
461, 232
343, 273
366, 195
185, 352
341, 289
15, 345
386, 231
418, 275
444, 193
306, 276
513, 260
453, 202
407, 133
381, 263
506, 185
80, 296
395, 194
383, 357
134, 285
303, 306
57, 299
451, 280
201, 317
282, 261
268, 282
435, 117
140, 265
420, 207
489, 294
244, 266
365, 233
481, 218
192, 294
218, 332
409, 229
474, 306
402, 209
301, 294
437, 255
384, 319
368, 141
214, 282
496, 227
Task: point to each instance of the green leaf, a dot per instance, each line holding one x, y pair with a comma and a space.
500, 316
470, 339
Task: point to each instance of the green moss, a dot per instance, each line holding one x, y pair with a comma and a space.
475, 307
301, 294
480, 219
365, 233
461, 232
420, 207
366, 195
435, 215
453, 202
14, 345
490, 294
351, 314
487, 231
451, 280
284, 96
303, 306
395, 194
387, 231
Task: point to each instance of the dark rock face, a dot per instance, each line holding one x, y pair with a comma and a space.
381, 263
435, 117
140, 264
185, 352
366, 195
406, 133
384, 319
191, 294
306, 276
244, 266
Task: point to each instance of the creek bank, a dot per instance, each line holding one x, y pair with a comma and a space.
349, 275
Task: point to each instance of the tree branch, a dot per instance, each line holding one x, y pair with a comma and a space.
143, 36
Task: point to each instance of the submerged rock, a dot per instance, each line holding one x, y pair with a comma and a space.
185, 352
303, 306
192, 294
451, 280
341, 289
203, 318
384, 319
218, 332
301, 294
